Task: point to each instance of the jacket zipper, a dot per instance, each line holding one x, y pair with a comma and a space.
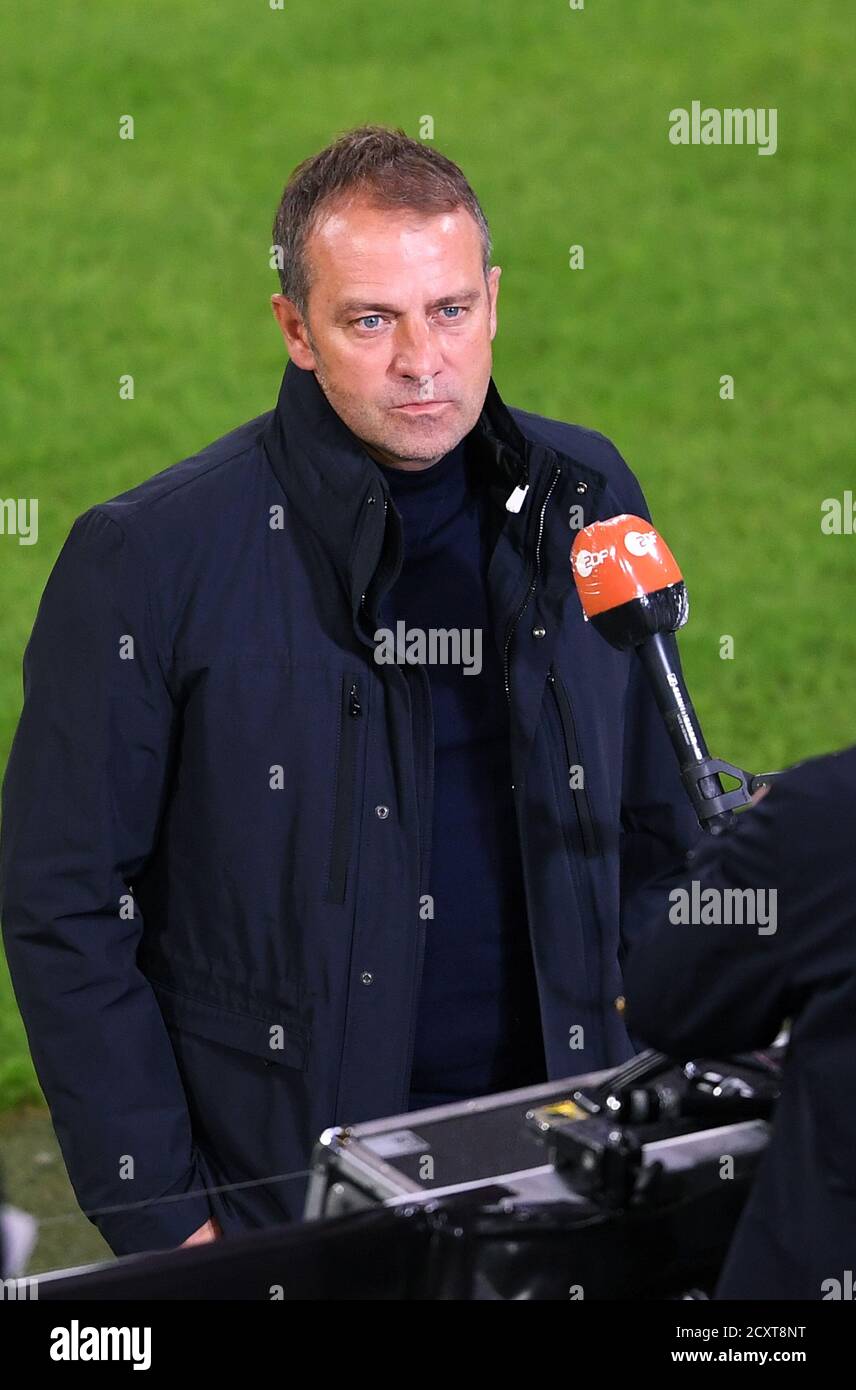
530, 590
420, 938
343, 815
572, 753
385, 583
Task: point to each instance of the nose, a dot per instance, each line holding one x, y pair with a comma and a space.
417, 353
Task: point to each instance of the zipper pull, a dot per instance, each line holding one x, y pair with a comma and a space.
354, 706
515, 500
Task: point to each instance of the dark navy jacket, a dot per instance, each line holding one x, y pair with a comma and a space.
714, 990
204, 722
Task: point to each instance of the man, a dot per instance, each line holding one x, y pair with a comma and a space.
223, 917
712, 988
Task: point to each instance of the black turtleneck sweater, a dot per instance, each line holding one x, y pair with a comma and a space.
478, 1026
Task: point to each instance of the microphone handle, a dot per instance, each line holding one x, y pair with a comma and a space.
659, 655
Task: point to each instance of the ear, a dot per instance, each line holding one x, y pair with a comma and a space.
294, 331
493, 292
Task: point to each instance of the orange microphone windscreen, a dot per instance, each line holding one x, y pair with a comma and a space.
618, 560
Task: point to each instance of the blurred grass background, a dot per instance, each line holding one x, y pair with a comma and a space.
151, 257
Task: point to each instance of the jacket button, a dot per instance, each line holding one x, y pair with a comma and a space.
367, 977
381, 812
619, 1004
539, 632
582, 487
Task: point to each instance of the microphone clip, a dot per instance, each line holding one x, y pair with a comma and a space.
715, 813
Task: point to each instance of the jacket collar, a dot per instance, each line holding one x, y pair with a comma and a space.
326, 472
337, 489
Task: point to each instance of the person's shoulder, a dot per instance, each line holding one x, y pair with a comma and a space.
203, 483
586, 446
582, 445
800, 832
817, 797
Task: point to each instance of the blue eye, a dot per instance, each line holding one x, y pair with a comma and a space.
454, 313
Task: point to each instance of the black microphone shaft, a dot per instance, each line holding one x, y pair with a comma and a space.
658, 655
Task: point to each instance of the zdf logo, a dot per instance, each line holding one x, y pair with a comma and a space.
587, 560
641, 542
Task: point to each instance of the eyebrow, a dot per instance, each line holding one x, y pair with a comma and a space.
356, 306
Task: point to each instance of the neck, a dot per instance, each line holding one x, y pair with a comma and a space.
406, 465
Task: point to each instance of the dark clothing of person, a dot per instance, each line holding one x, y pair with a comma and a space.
717, 989
478, 1025
217, 811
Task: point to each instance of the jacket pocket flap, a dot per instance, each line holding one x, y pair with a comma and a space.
279, 1039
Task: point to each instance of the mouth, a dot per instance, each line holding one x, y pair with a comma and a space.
422, 407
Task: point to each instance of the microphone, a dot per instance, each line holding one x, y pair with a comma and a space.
634, 594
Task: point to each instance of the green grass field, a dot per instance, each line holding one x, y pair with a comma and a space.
150, 257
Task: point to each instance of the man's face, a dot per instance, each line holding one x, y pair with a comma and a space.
399, 327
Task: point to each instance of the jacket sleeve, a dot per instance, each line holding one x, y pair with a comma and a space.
82, 800
705, 985
696, 987
658, 824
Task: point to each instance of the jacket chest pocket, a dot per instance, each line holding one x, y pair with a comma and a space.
349, 749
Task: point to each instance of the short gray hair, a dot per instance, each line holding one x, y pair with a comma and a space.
391, 169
